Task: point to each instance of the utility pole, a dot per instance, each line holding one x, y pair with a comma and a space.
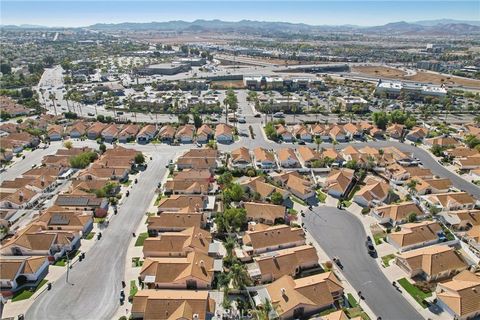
68, 267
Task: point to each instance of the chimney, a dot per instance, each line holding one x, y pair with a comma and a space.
42, 181
283, 291
201, 263
20, 196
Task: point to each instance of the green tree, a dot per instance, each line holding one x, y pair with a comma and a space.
318, 142
139, 158
82, 160
5, 68
68, 144
412, 217
276, 198
197, 120
239, 276
380, 119
102, 147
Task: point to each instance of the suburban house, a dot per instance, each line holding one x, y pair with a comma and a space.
193, 271
431, 263
284, 133
198, 159
85, 202
308, 156
77, 129
224, 133
417, 134
264, 159
264, 213
428, 186
169, 244
195, 203
301, 132
172, 304
468, 163
18, 271
374, 192
204, 133
339, 182
461, 219
264, 189
185, 133
174, 221
337, 133
167, 133
395, 131
460, 297
303, 297
110, 133
447, 142
95, 130
147, 133
190, 181
416, 235
395, 214
240, 158
129, 133
295, 183
353, 131
273, 238
33, 240
55, 132
291, 261
287, 158
449, 201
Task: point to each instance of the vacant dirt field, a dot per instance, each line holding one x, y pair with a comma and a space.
233, 84
421, 76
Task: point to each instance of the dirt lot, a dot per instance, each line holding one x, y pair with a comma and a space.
421, 76
232, 84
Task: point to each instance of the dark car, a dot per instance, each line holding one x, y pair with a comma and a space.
370, 247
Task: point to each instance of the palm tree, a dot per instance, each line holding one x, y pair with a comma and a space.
42, 93
263, 311
412, 185
52, 97
239, 276
318, 142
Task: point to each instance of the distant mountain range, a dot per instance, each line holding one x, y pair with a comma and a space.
428, 27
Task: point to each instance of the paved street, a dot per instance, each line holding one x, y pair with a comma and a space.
95, 286
341, 234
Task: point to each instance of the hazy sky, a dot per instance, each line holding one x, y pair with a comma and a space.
82, 13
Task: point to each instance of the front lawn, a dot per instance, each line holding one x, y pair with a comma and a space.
351, 300
90, 235
63, 261
136, 262
141, 238
379, 238
415, 292
386, 259
133, 289
27, 293
298, 200
126, 183
322, 197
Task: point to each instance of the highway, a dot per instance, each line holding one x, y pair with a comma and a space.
341, 234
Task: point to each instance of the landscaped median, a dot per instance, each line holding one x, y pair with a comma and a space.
415, 292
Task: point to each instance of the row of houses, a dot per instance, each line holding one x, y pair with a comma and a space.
142, 134
57, 230
346, 132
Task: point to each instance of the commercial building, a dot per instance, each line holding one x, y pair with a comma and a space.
164, 68
394, 89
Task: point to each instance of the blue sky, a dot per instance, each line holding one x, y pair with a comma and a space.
81, 13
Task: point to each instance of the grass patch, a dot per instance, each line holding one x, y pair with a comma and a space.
63, 261
90, 236
415, 292
141, 238
327, 311
133, 288
351, 300
322, 197
379, 238
99, 220
356, 312
27, 293
386, 259
298, 200
352, 193
136, 262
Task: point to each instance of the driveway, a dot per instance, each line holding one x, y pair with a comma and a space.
95, 286
341, 234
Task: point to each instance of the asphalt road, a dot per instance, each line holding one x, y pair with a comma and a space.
341, 234
95, 286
